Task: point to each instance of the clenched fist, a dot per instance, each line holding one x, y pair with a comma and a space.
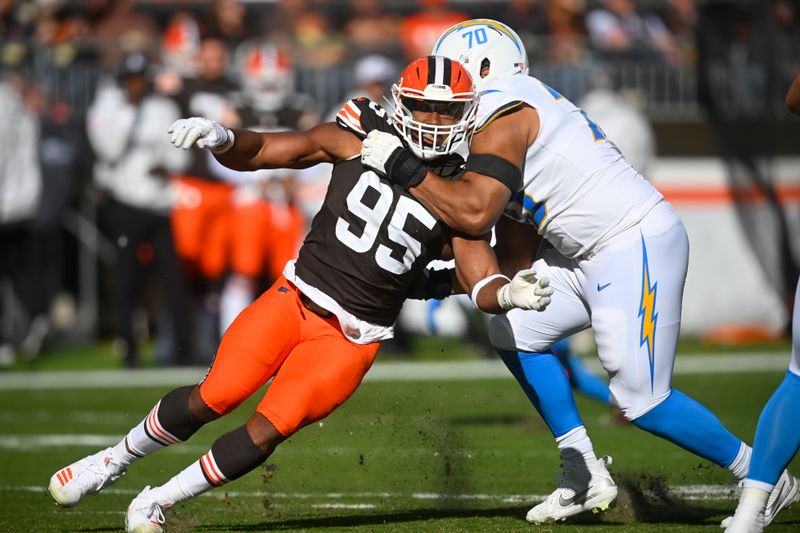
201, 132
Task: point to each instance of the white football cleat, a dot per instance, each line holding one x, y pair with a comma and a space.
782, 496
90, 475
580, 490
144, 514
748, 519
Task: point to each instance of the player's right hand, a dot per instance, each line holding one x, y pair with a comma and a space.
525, 291
201, 132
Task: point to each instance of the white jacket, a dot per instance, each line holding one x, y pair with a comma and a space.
20, 173
130, 143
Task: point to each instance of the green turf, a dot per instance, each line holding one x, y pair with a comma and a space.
422, 348
389, 442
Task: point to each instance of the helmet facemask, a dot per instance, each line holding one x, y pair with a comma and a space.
429, 141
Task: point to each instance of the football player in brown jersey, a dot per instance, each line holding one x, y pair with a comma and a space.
317, 330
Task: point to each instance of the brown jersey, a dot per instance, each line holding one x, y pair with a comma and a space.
371, 238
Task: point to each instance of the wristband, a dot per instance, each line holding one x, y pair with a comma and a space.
481, 284
224, 147
404, 169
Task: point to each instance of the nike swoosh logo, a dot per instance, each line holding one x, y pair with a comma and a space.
601, 287
564, 502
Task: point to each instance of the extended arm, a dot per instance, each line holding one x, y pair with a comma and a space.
474, 203
247, 150
793, 96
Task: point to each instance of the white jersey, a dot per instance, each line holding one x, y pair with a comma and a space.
578, 189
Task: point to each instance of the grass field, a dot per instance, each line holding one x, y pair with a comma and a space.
440, 456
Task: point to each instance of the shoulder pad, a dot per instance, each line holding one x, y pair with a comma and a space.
361, 115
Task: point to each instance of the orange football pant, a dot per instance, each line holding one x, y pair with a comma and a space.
314, 367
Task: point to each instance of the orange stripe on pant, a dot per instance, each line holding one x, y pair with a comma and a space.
314, 366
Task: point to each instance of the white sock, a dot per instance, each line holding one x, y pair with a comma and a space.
741, 463
576, 443
191, 482
754, 500
236, 295
147, 437
760, 485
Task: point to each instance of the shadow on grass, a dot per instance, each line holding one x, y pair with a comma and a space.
327, 522
645, 498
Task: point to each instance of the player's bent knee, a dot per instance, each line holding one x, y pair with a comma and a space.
200, 408
263, 433
176, 414
633, 410
217, 400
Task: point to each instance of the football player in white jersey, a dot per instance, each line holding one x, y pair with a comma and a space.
778, 433
616, 254
776, 443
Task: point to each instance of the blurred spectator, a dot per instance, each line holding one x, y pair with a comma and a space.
20, 192
180, 43
372, 29
228, 22
127, 130
420, 30
120, 26
681, 18
316, 43
373, 76
266, 226
622, 122
565, 26
267, 79
620, 31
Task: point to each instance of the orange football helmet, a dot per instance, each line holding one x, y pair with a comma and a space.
443, 94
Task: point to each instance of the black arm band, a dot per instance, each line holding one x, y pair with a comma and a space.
496, 167
404, 169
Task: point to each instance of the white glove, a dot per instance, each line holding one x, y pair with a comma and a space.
202, 132
525, 291
377, 148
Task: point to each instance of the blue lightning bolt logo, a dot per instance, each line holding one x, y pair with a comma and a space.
647, 308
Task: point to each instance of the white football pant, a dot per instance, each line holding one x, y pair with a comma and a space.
629, 290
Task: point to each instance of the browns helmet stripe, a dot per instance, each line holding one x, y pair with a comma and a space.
448, 71
440, 70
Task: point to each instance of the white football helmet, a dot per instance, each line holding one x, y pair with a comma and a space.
435, 84
484, 46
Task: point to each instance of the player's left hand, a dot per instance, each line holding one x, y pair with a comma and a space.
385, 154
526, 291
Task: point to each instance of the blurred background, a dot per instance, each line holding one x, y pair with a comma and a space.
115, 244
